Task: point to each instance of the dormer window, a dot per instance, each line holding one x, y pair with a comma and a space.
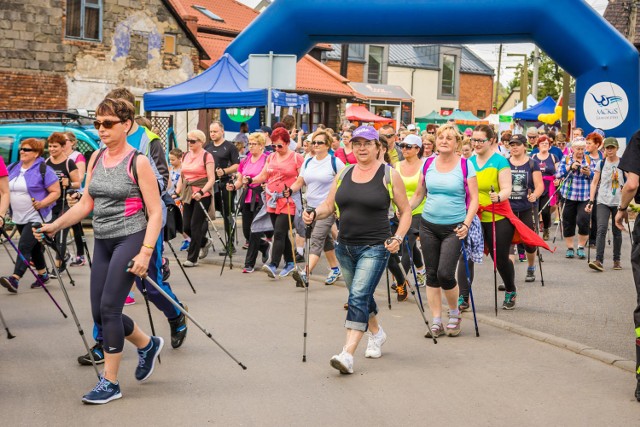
206, 12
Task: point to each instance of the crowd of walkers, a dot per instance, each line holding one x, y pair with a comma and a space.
424, 205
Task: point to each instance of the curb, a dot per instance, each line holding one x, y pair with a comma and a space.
576, 347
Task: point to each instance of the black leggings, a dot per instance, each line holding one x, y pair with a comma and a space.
30, 248
504, 235
546, 212
195, 225
60, 238
412, 236
527, 219
572, 213
281, 241
440, 247
256, 243
110, 285
77, 238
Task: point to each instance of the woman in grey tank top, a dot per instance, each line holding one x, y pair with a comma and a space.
122, 233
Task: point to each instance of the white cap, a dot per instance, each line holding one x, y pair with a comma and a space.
411, 127
413, 140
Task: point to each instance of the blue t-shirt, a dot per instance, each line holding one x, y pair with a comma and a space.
135, 138
446, 195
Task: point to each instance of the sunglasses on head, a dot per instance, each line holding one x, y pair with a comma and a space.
407, 146
107, 124
318, 143
27, 149
192, 141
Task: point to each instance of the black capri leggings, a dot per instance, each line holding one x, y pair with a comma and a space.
441, 249
504, 235
30, 248
546, 212
195, 225
281, 241
572, 213
110, 285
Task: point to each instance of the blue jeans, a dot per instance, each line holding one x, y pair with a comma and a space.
362, 268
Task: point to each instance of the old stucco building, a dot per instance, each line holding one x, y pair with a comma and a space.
58, 54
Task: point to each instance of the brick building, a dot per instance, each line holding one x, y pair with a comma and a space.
624, 15
59, 54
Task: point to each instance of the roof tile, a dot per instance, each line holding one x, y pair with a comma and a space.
236, 15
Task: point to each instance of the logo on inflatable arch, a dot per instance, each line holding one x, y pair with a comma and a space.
240, 115
606, 105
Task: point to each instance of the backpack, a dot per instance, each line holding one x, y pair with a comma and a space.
132, 169
388, 182
465, 172
42, 167
333, 164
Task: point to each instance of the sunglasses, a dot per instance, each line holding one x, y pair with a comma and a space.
107, 124
431, 133
278, 145
27, 150
407, 146
318, 143
388, 135
532, 137
192, 141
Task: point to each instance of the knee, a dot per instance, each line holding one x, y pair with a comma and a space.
447, 281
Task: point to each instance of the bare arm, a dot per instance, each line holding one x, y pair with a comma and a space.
75, 178
538, 185
418, 195
54, 194
504, 180
628, 191
4, 197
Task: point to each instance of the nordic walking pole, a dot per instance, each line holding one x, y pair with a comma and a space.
536, 225
13, 260
293, 239
186, 313
495, 265
388, 288
466, 267
10, 336
235, 226
6, 236
413, 270
181, 267
50, 242
307, 238
213, 225
413, 292
146, 303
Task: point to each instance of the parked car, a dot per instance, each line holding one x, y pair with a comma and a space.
18, 125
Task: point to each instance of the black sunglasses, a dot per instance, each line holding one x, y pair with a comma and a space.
407, 146
388, 135
27, 150
278, 145
107, 124
318, 143
192, 141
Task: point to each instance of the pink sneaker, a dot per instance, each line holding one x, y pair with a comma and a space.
129, 301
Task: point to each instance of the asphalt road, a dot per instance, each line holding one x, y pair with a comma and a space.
498, 379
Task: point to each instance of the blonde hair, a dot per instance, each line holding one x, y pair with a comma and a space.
258, 137
452, 128
197, 134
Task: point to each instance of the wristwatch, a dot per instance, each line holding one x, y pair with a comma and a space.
620, 208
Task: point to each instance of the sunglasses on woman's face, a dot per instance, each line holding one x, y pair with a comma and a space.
107, 124
407, 146
27, 149
192, 141
278, 145
318, 143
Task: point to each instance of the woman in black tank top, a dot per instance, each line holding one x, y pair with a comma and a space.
362, 195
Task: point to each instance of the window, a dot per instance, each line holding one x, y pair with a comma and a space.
6, 148
481, 114
356, 52
317, 114
84, 19
206, 12
448, 84
170, 44
374, 74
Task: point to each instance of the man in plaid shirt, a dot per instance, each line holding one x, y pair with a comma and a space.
575, 173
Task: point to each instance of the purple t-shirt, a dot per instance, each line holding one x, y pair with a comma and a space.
250, 169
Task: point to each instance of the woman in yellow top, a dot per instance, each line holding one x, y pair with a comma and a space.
410, 169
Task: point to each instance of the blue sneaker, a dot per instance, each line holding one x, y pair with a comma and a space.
104, 392
334, 274
9, 282
288, 269
43, 278
185, 245
270, 269
580, 252
147, 358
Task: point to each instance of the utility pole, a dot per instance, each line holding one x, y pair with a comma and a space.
524, 78
495, 99
566, 89
536, 65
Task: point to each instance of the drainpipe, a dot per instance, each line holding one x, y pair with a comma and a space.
412, 74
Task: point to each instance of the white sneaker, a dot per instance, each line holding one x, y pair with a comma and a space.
188, 263
374, 346
343, 362
204, 251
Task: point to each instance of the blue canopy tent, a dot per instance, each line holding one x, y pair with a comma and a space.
546, 106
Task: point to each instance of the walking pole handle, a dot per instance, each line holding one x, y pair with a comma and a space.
309, 228
48, 240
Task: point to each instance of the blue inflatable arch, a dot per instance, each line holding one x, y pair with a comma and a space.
605, 65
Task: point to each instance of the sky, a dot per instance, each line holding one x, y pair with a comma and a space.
489, 52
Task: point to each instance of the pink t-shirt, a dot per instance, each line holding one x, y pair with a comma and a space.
279, 174
3, 168
193, 168
251, 169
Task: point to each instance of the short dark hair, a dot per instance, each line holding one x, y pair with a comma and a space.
488, 131
122, 93
118, 107
57, 138
289, 122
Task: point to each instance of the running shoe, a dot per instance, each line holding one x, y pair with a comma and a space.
343, 362
596, 265
374, 346
545, 234
453, 325
178, 328
266, 253
104, 392
43, 278
287, 270
129, 300
422, 278
77, 261
60, 269
98, 356
402, 292
509, 301
334, 274
147, 358
204, 251
617, 265
463, 303
300, 277
299, 257
9, 282
569, 253
247, 270
185, 245
233, 251
522, 257
580, 253
531, 275
188, 263
270, 269
435, 330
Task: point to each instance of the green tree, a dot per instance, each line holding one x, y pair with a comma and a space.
549, 77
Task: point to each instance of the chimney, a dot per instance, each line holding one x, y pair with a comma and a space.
192, 23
